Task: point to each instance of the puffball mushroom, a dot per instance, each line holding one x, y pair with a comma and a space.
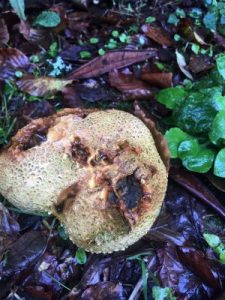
99, 172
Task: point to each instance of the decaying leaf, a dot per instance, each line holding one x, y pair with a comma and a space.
4, 34
200, 63
182, 65
9, 229
162, 79
158, 35
41, 86
127, 83
14, 58
110, 61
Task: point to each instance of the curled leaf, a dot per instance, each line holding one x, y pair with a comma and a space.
182, 65
41, 86
110, 61
19, 7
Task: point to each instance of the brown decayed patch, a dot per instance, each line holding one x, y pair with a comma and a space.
66, 198
79, 151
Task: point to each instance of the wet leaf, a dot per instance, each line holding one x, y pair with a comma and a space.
110, 61
200, 63
25, 251
35, 36
4, 34
163, 79
9, 229
13, 58
158, 35
42, 86
128, 83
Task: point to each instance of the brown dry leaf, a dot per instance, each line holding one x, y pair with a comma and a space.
36, 36
158, 35
128, 83
162, 79
41, 86
4, 34
200, 63
110, 61
12, 57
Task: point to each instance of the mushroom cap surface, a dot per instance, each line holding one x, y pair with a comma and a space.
99, 172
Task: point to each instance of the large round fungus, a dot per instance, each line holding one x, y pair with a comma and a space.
98, 172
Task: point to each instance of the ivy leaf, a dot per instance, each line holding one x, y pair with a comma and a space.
48, 18
195, 157
174, 137
171, 97
81, 256
19, 7
217, 132
220, 64
219, 164
159, 293
210, 20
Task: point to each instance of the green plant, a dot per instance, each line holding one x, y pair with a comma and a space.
85, 54
47, 18
216, 244
19, 7
198, 114
159, 293
81, 256
214, 19
144, 271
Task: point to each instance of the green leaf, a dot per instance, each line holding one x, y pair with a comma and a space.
53, 50
173, 19
94, 40
196, 114
150, 20
19, 7
210, 20
212, 240
217, 132
220, 64
174, 137
219, 164
171, 97
195, 48
85, 54
195, 157
159, 293
180, 13
81, 256
48, 18
101, 52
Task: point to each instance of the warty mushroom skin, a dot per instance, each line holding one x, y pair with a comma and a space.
98, 172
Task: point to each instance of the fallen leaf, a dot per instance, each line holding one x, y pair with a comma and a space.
4, 34
220, 40
71, 97
35, 36
182, 65
25, 251
128, 83
9, 229
200, 63
41, 86
110, 61
162, 79
158, 35
14, 58
199, 38
195, 186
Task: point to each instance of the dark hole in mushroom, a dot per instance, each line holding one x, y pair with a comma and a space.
113, 200
80, 152
59, 207
35, 140
130, 191
101, 157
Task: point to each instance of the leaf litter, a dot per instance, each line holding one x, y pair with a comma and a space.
37, 261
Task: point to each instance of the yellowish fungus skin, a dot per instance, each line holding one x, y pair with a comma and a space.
98, 172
